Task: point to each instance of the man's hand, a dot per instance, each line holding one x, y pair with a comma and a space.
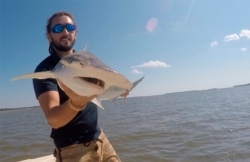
75, 99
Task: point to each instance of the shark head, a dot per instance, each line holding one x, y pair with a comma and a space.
84, 58
77, 79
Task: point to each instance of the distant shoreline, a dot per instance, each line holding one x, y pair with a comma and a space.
31, 107
242, 85
17, 108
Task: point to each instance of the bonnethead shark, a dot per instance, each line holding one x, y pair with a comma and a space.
87, 75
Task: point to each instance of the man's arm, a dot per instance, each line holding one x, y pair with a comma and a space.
59, 115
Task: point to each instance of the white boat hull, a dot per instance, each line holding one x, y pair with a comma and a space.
47, 158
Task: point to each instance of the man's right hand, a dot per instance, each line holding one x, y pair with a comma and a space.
75, 99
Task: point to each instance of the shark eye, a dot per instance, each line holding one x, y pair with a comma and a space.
81, 64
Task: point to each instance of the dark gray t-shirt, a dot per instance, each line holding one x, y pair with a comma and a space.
84, 126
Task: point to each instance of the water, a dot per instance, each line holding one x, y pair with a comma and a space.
196, 126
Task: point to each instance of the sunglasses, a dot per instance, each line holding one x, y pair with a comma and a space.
58, 28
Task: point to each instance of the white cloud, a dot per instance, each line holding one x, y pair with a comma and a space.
152, 64
136, 71
231, 37
152, 24
149, 64
243, 49
214, 44
245, 33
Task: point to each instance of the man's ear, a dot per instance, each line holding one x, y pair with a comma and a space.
49, 37
76, 35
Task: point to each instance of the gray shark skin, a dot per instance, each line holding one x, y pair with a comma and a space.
86, 75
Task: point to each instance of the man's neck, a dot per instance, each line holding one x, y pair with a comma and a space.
64, 53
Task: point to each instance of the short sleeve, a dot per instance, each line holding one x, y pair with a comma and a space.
44, 85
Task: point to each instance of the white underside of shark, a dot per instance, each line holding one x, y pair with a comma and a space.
86, 75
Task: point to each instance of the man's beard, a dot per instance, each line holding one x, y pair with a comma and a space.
59, 47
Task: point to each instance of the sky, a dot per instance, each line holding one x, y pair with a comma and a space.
178, 45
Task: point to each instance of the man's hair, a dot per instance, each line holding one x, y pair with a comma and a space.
62, 13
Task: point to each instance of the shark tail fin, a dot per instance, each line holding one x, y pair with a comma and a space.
134, 84
37, 75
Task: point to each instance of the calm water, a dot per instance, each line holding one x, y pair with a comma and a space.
197, 126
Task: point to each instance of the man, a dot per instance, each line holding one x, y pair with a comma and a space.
73, 118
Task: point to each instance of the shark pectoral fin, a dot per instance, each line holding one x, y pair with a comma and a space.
37, 75
112, 92
134, 84
97, 102
124, 93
